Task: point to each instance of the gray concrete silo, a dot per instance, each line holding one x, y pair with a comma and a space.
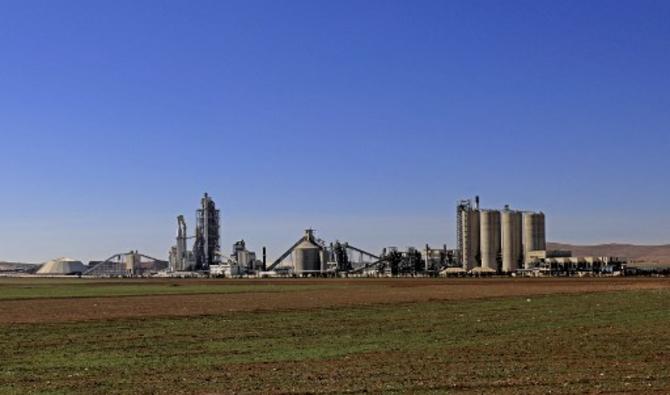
489, 223
470, 231
307, 257
534, 238
512, 244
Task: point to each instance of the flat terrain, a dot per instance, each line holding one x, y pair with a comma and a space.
48, 300
356, 335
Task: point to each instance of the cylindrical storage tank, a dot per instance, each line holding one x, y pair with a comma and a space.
307, 258
534, 238
243, 258
471, 236
512, 244
132, 261
489, 224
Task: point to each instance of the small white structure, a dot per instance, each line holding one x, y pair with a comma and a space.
226, 270
62, 266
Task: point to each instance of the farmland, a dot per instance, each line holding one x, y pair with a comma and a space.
356, 335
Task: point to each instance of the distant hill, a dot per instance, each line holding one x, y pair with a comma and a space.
656, 254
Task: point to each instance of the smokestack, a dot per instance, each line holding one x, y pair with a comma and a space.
264, 259
477, 202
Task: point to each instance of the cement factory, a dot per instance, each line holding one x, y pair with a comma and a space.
490, 242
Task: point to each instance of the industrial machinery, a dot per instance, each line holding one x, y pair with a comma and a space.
467, 233
309, 255
394, 262
206, 246
390, 262
207, 238
436, 259
181, 258
358, 258
244, 258
126, 264
341, 257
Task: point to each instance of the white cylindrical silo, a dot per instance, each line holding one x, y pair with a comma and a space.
534, 238
512, 245
471, 238
489, 224
307, 258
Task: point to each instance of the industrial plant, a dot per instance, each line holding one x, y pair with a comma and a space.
511, 241
490, 242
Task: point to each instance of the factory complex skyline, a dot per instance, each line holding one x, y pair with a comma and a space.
489, 242
363, 120
435, 230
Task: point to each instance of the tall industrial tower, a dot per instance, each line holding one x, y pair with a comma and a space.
179, 254
206, 244
467, 233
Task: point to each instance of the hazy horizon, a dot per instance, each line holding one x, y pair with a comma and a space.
364, 120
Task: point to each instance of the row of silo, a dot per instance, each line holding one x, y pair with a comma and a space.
499, 240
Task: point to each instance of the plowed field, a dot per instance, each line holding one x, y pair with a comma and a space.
356, 335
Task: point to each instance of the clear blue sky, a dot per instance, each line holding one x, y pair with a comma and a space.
366, 120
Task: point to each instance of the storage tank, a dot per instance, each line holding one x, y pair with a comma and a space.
132, 261
512, 244
243, 258
489, 223
307, 257
470, 230
534, 238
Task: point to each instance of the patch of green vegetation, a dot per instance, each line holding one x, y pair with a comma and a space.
604, 342
86, 289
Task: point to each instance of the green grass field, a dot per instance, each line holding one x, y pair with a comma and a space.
601, 342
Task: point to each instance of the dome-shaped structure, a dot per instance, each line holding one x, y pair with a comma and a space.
62, 266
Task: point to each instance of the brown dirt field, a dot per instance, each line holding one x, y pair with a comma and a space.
346, 293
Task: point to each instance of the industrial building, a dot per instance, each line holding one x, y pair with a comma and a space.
206, 247
489, 242
514, 242
180, 257
205, 256
126, 264
467, 233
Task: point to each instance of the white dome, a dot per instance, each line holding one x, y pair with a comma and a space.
62, 266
